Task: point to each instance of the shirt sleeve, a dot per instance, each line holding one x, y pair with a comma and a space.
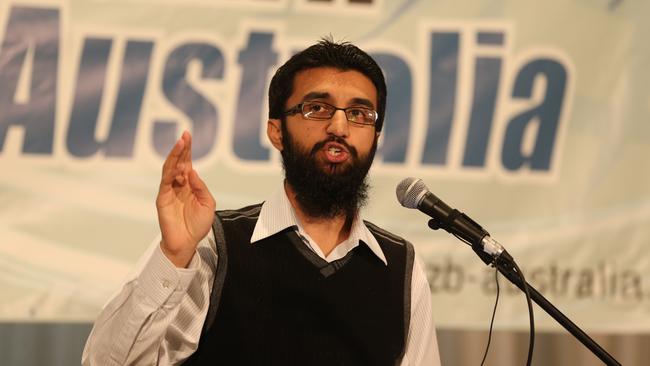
157, 317
421, 343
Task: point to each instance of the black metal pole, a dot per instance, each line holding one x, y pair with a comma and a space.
506, 269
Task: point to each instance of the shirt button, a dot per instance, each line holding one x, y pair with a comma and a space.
166, 284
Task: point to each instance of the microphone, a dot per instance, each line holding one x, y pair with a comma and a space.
413, 193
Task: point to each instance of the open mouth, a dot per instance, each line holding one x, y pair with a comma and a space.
334, 151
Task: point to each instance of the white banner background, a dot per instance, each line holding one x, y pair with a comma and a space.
74, 221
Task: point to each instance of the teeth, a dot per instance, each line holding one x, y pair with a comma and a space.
334, 150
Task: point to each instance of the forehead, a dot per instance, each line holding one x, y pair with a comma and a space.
340, 87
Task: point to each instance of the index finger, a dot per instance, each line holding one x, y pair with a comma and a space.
169, 166
186, 155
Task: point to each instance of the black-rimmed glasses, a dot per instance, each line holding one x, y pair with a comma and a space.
322, 111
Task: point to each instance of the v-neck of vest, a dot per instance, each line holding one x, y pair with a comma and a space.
326, 268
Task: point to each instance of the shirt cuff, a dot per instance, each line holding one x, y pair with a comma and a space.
163, 282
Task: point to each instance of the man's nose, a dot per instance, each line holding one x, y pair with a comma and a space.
338, 124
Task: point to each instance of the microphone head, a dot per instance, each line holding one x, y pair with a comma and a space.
410, 192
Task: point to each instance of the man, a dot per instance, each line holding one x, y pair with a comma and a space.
298, 280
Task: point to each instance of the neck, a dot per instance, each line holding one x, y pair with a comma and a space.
327, 232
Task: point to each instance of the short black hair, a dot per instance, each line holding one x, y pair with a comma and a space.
326, 53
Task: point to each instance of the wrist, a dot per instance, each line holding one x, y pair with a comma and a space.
180, 258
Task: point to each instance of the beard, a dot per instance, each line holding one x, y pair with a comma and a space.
326, 190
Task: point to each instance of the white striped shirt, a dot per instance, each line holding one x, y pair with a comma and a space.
157, 317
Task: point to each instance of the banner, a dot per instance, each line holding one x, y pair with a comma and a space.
529, 117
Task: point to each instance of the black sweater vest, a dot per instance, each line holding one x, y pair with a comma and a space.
275, 302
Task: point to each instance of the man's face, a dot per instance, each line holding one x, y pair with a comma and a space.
326, 161
341, 89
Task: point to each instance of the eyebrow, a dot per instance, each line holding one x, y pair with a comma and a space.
326, 95
363, 101
316, 95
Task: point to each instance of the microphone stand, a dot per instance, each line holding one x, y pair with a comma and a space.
505, 264
490, 252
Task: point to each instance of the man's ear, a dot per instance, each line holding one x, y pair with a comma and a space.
274, 133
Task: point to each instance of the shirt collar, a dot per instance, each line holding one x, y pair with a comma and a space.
277, 214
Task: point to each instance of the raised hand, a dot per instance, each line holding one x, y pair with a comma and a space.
184, 203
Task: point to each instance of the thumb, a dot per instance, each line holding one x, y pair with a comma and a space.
199, 188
